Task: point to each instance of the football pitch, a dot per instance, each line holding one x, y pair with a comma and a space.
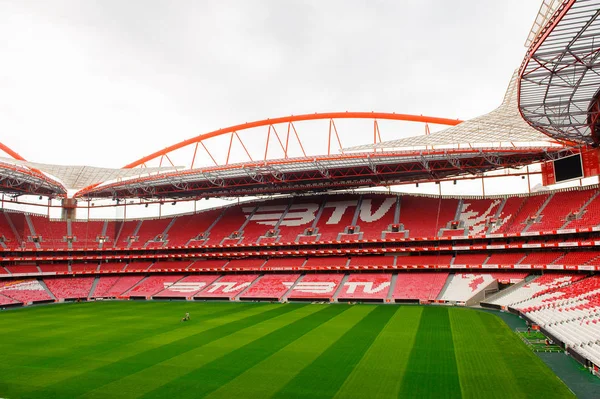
262, 350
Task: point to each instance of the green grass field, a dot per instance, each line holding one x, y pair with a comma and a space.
250, 350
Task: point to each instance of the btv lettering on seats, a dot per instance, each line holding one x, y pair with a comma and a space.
315, 287
228, 286
367, 287
303, 214
185, 286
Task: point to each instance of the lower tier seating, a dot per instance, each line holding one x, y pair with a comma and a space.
316, 286
367, 286
464, 286
187, 287
25, 291
422, 286
70, 287
228, 286
270, 286
153, 285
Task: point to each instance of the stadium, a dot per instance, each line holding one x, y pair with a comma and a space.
322, 255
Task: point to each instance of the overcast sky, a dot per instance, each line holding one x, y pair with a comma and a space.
106, 82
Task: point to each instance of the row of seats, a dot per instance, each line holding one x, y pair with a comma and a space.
422, 286
309, 219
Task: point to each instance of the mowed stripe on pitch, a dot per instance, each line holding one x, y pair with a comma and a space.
211, 376
144, 357
379, 373
27, 366
154, 377
432, 371
481, 336
269, 376
323, 377
37, 371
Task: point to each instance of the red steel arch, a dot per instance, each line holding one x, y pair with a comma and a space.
291, 119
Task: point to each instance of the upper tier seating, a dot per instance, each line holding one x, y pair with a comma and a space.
329, 216
227, 286
150, 230
187, 287
86, 233
475, 214
122, 233
423, 286
528, 208
365, 286
262, 218
590, 216
270, 286
554, 215
232, 220
376, 215
424, 216
316, 286
70, 287
24, 291
187, 227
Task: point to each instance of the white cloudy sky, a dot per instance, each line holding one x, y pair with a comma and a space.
106, 82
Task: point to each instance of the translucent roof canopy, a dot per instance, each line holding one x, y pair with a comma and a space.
504, 126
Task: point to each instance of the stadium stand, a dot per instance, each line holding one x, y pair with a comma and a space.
86, 233
425, 216
244, 264
228, 286
84, 267
187, 287
476, 214
365, 286
270, 287
119, 286
421, 286
376, 215
25, 291
22, 269
152, 285
70, 287
316, 286
463, 287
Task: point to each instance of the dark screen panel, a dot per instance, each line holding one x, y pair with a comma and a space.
568, 168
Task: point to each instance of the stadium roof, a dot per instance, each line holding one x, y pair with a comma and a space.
559, 80
78, 177
504, 126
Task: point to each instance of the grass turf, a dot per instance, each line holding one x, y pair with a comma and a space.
249, 350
